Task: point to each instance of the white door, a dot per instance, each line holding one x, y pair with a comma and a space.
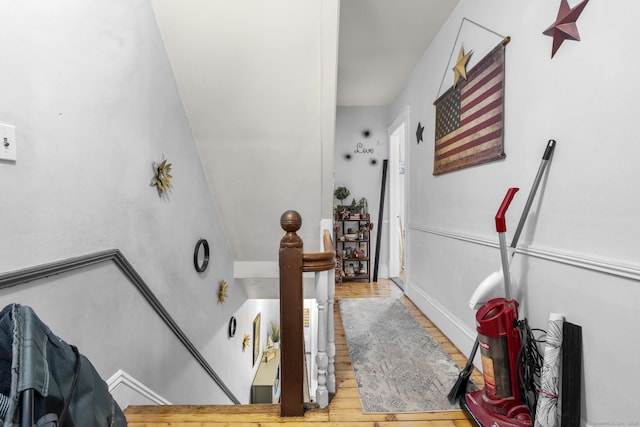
397, 147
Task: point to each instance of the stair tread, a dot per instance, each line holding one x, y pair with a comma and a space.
202, 409
214, 413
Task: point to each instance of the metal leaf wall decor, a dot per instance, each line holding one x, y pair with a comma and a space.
162, 176
222, 291
245, 342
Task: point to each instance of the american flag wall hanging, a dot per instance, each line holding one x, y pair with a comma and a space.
470, 117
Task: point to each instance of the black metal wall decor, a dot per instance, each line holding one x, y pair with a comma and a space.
232, 326
201, 251
361, 149
380, 213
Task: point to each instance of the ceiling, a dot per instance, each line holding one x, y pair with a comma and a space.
380, 43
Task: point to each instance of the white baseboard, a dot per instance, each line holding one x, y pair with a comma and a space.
457, 332
123, 380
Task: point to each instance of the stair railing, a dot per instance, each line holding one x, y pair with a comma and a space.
293, 262
325, 297
18, 277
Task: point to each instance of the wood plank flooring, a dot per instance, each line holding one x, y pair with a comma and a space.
345, 408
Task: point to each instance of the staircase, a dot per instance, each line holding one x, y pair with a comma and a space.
344, 410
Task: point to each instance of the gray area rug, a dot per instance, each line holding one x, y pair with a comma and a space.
398, 366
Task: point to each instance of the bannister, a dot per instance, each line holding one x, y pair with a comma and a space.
320, 261
325, 296
18, 277
293, 262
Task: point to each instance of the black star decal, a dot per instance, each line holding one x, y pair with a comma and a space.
419, 132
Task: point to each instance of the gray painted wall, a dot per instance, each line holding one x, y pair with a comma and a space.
359, 174
581, 237
92, 95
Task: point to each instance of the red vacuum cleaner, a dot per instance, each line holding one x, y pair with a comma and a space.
500, 403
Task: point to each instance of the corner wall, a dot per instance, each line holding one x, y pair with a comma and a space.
91, 93
578, 250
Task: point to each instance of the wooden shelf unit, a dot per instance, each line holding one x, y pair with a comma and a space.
353, 243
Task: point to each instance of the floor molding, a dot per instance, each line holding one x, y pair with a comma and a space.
121, 378
452, 327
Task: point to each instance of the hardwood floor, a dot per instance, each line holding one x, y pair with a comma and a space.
345, 408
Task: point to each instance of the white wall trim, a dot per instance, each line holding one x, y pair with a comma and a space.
611, 267
456, 331
121, 378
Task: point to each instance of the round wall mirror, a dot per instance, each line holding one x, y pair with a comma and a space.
232, 327
201, 255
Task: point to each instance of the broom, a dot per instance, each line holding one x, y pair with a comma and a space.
460, 387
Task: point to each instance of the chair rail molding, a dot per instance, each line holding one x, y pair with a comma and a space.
576, 260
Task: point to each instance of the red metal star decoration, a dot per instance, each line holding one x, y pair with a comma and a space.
565, 26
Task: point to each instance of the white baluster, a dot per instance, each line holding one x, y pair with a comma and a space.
322, 394
331, 338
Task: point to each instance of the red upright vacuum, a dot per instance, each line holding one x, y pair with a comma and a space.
500, 403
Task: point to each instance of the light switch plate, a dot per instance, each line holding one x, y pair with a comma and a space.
7, 142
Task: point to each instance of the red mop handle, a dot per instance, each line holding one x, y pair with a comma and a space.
501, 224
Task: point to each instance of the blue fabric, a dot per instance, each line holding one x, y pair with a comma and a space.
6, 341
4, 406
47, 364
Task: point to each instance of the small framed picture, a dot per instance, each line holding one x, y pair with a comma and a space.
256, 339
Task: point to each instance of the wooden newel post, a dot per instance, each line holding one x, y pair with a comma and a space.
291, 317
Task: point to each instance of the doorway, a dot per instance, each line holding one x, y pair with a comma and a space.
398, 137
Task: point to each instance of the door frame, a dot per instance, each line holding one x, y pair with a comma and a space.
398, 145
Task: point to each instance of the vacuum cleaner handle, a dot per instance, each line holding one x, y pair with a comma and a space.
501, 227
501, 224
550, 146
536, 183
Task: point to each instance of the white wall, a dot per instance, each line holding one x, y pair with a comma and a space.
258, 82
91, 93
581, 238
358, 174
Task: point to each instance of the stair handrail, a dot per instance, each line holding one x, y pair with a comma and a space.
293, 262
320, 261
25, 275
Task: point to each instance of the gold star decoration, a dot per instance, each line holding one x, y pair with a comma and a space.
245, 342
222, 291
460, 70
565, 26
162, 176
